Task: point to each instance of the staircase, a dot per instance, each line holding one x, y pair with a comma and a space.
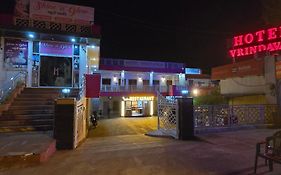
32, 110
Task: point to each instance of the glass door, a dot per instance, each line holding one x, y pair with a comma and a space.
55, 71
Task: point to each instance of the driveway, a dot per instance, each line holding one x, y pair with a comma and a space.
119, 147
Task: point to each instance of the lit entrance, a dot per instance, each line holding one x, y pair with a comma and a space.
137, 106
55, 71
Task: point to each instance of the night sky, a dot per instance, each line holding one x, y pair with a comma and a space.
194, 32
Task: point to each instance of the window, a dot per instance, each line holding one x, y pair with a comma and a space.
132, 82
156, 82
106, 81
169, 82
145, 82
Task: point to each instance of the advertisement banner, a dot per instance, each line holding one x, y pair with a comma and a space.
55, 48
61, 13
22, 9
15, 53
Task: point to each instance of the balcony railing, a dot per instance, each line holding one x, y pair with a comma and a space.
54, 26
134, 88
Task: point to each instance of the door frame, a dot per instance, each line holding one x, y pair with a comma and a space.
39, 71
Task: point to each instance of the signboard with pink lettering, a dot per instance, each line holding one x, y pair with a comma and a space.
54, 11
22, 9
15, 53
261, 41
55, 48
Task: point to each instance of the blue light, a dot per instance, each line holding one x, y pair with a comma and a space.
65, 91
184, 92
30, 35
73, 40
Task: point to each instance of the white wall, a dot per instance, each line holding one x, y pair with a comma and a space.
245, 85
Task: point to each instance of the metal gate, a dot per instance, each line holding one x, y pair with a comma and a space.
167, 117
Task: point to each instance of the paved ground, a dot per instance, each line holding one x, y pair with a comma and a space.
116, 147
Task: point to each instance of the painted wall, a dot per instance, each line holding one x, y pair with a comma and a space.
255, 99
243, 86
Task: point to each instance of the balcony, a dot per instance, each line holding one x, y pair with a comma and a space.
58, 27
133, 88
108, 90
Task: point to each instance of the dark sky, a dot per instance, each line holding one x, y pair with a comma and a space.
193, 32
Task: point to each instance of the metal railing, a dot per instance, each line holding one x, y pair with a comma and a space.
236, 115
133, 88
9, 85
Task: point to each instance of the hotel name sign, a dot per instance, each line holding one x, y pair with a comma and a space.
145, 98
268, 40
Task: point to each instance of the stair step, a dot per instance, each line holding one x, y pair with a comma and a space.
24, 95
32, 107
32, 122
28, 103
26, 128
34, 111
27, 117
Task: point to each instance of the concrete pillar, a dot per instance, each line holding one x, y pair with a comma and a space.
151, 79
2, 71
270, 78
122, 78
82, 63
139, 82
181, 79
29, 64
185, 123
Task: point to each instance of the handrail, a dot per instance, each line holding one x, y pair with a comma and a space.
11, 84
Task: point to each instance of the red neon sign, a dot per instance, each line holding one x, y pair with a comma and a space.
268, 40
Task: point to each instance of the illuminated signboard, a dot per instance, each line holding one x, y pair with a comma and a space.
138, 98
268, 40
193, 71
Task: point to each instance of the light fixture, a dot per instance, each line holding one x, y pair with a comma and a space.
65, 92
93, 46
31, 35
163, 79
184, 92
195, 92
115, 79
139, 79
73, 40
93, 59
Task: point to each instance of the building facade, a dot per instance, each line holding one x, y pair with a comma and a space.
53, 49
254, 75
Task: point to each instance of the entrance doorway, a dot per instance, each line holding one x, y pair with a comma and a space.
55, 71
